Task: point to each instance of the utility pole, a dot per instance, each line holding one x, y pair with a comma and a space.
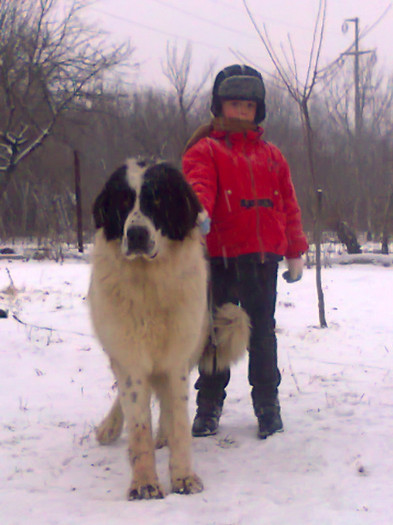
356, 54
358, 110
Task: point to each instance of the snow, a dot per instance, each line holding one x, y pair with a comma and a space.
332, 465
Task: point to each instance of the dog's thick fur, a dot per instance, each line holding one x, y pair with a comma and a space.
148, 302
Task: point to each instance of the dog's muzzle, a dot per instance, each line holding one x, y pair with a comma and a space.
138, 242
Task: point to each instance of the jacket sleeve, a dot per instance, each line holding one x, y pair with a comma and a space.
297, 241
199, 170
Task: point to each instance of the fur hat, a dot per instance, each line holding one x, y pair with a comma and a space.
239, 82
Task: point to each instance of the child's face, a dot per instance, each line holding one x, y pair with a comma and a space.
241, 109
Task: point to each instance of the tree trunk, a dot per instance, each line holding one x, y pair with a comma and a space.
348, 237
78, 197
318, 217
321, 300
386, 222
5, 179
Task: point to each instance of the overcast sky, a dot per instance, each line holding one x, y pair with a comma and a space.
214, 27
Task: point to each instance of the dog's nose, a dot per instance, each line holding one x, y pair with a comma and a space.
137, 238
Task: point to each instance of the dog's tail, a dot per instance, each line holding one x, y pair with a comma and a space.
228, 344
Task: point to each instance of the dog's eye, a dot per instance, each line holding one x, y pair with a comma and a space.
126, 201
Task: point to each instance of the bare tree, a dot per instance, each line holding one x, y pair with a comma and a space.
177, 70
48, 62
287, 71
370, 171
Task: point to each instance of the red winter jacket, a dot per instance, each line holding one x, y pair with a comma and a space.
245, 185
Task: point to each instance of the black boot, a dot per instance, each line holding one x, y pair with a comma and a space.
210, 400
269, 421
267, 409
207, 418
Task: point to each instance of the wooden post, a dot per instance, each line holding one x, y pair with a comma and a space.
78, 197
318, 240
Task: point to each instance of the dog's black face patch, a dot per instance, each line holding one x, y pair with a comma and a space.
113, 204
169, 201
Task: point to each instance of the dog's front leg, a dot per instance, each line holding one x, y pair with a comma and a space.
183, 479
135, 394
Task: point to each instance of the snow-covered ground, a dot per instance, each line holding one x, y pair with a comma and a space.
333, 465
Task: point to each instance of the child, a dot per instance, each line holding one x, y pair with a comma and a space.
252, 222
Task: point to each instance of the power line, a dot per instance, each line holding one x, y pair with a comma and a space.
175, 35
154, 29
222, 26
227, 28
193, 16
264, 17
203, 19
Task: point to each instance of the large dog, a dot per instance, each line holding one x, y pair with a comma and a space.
148, 302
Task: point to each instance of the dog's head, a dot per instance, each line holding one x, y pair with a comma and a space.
142, 205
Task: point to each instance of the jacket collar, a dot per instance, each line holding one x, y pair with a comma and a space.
235, 128
221, 127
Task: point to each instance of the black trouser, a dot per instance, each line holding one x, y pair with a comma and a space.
253, 285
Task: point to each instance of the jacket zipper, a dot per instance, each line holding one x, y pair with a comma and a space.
254, 191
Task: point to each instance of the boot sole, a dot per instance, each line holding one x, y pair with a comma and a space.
264, 436
205, 433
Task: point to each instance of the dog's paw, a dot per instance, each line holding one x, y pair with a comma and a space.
161, 442
109, 430
148, 491
189, 485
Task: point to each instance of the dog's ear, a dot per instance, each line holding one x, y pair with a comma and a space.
100, 209
170, 201
113, 204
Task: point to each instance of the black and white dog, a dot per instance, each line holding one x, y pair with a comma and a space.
147, 204
148, 305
